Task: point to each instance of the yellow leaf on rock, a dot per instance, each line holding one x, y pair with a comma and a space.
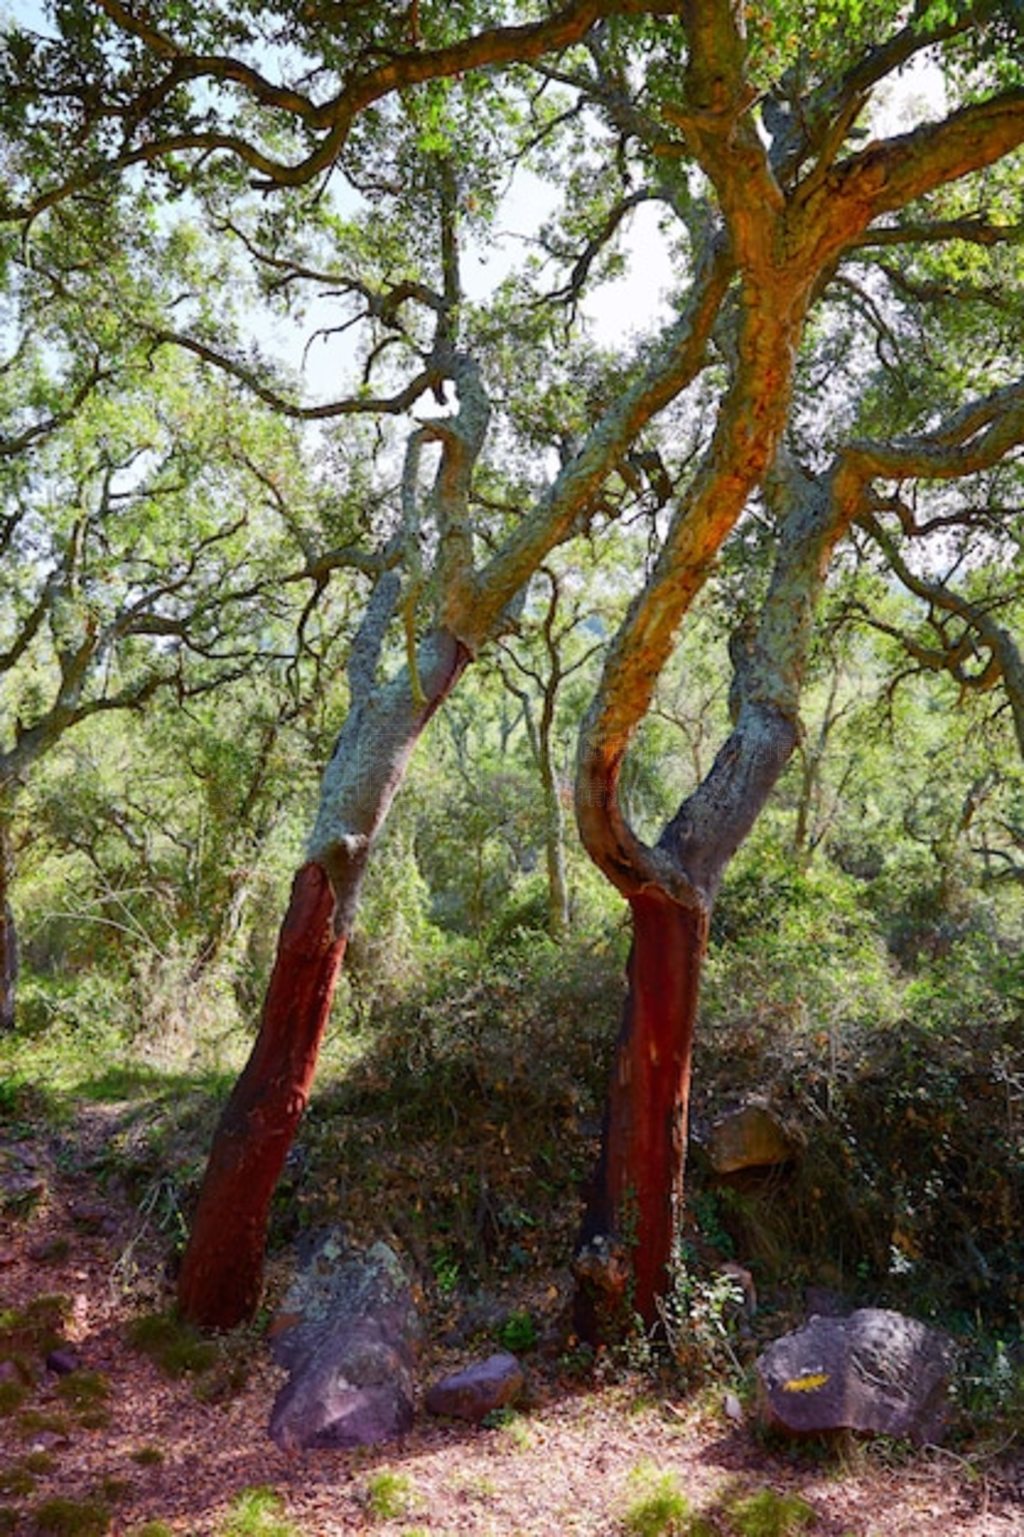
809, 1384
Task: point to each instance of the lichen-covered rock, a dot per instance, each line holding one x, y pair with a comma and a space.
749, 1138
874, 1371
347, 1333
479, 1389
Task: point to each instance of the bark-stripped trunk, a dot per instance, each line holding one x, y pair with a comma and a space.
221, 1275
637, 1192
8, 932
629, 1232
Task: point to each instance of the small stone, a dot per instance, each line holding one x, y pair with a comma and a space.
8, 1257
479, 1390
91, 1215
63, 1361
48, 1441
50, 1251
9, 1372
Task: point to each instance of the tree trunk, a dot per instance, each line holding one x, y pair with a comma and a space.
221, 1275
8, 932
554, 844
636, 1200
222, 1270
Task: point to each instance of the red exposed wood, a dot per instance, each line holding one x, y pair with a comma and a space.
645, 1134
221, 1274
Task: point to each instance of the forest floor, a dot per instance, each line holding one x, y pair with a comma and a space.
580, 1457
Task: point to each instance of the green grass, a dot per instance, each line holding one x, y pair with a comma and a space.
12, 1396
388, 1495
17, 1479
73, 1518
35, 1328
659, 1508
84, 1389
39, 1462
767, 1514
32, 1421
151, 1529
175, 1346
257, 1512
147, 1456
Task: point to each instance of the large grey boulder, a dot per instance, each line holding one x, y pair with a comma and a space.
875, 1371
347, 1333
477, 1391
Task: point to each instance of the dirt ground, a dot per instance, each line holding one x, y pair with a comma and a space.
567, 1464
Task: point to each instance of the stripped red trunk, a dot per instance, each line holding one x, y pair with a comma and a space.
636, 1200
221, 1274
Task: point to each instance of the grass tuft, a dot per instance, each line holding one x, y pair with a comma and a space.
257, 1512
388, 1495
660, 1508
73, 1518
175, 1346
16, 1479
83, 1389
12, 1396
147, 1456
767, 1514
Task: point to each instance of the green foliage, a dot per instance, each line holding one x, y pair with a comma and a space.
699, 1314
518, 1333
257, 1512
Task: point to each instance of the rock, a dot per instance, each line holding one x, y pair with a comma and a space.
92, 1216
9, 1372
347, 1334
63, 1361
477, 1391
829, 1303
51, 1251
8, 1257
21, 1191
875, 1371
752, 1137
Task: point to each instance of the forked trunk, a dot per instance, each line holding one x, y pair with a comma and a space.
632, 1219
222, 1271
